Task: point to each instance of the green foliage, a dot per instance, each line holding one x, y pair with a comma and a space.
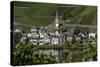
73, 40
81, 29
28, 55
17, 37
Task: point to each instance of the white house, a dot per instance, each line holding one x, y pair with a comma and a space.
35, 35
22, 40
34, 41
46, 40
33, 29
29, 35
93, 35
55, 40
41, 42
81, 34
18, 30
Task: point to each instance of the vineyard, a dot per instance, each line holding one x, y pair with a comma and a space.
42, 14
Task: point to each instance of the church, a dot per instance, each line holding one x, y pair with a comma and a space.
47, 35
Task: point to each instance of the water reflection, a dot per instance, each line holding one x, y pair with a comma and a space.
59, 55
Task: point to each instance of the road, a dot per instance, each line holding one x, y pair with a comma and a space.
79, 25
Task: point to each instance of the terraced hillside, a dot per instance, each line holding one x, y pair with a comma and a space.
44, 14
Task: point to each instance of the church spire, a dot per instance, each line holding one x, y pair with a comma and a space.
57, 20
56, 13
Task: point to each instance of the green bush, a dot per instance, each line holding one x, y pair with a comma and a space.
28, 55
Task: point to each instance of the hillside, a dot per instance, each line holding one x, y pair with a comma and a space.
44, 13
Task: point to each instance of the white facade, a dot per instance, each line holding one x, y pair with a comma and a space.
41, 42
22, 40
33, 30
55, 40
29, 35
93, 35
17, 30
34, 41
46, 40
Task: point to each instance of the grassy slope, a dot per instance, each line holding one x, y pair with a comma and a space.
43, 14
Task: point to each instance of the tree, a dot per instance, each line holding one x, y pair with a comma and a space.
28, 54
17, 37
73, 39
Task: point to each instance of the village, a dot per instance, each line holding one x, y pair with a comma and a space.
40, 35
